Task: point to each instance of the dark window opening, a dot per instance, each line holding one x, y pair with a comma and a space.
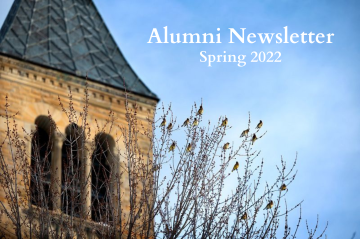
71, 174
40, 194
100, 178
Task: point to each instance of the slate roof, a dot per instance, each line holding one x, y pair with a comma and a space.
68, 35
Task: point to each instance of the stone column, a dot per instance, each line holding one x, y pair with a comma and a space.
115, 181
31, 128
86, 184
58, 141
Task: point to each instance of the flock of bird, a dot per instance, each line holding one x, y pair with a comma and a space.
223, 124
225, 147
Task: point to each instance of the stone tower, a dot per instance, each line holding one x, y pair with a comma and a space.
48, 47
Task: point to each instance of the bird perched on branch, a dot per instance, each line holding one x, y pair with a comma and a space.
244, 216
254, 138
156, 167
283, 187
186, 122
200, 111
140, 213
172, 147
196, 122
236, 166
169, 126
224, 122
163, 123
258, 126
226, 146
244, 133
269, 205
188, 148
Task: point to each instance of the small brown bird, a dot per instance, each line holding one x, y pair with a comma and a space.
163, 123
254, 138
244, 133
172, 147
226, 146
140, 213
244, 216
259, 125
188, 148
236, 166
196, 122
169, 126
186, 122
155, 168
200, 111
283, 187
269, 205
224, 122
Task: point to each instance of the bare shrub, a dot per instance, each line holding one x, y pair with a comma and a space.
148, 178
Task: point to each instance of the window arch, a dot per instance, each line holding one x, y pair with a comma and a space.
100, 178
41, 145
71, 172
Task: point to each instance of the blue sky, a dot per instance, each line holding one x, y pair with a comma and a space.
309, 102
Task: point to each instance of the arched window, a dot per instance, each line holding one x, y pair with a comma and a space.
71, 172
41, 146
100, 179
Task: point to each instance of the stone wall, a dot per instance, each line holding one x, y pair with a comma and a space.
34, 90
